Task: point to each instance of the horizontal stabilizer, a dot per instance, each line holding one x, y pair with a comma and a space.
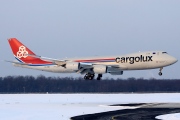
19, 63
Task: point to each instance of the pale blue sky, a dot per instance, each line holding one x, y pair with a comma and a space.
78, 28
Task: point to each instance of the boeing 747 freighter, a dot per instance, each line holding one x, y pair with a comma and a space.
114, 65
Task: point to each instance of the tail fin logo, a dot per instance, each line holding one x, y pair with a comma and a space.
22, 53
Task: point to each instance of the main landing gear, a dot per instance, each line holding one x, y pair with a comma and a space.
99, 77
89, 76
160, 72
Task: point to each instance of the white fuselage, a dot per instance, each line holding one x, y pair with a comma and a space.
136, 61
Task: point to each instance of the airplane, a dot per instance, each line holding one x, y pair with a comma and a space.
114, 65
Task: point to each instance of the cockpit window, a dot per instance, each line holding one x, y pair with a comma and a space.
164, 53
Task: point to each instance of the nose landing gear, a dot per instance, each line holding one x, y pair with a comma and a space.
160, 72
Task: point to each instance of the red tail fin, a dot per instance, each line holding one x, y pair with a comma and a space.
21, 52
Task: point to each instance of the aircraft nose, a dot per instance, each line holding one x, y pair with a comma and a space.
173, 60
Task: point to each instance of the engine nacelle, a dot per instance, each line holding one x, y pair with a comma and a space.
117, 73
72, 66
114, 71
99, 69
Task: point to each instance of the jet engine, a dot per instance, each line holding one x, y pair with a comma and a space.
99, 69
114, 71
72, 66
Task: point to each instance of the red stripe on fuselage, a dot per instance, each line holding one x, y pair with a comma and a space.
96, 60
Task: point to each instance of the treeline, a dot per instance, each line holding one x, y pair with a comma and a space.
42, 84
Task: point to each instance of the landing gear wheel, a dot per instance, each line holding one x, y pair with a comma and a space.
99, 77
160, 73
89, 76
85, 77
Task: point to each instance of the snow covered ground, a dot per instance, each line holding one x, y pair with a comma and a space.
175, 116
64, 106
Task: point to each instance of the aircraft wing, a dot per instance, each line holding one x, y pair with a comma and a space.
88, 68
84, 67
55, 61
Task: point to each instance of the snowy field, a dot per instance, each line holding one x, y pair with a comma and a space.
65, 106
